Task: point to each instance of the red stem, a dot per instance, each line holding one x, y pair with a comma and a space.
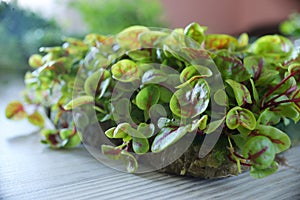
275, 88
290, 90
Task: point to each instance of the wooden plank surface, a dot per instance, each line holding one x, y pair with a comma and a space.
29, 170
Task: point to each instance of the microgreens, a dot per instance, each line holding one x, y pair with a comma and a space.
171, 99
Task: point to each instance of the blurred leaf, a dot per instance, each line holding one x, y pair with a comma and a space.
36, 119
15, 110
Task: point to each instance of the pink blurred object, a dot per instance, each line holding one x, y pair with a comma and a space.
229, 16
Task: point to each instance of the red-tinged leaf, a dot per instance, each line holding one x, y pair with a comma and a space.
220, 41
15, 110
241, 93
260, 150
191, 100
168, 136
231, 67
36, 119
125, 71
238, 116
98, 82
280, 140
140, 145
111, 152
147, 97
149, 39
128, 38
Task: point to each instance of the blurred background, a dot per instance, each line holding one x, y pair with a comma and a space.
26, 25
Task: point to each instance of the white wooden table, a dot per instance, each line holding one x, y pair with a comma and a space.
29, 170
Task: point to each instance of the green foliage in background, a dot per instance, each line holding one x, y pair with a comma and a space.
111, 16
291, 26
21, 34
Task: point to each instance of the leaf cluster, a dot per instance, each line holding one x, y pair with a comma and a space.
173, 97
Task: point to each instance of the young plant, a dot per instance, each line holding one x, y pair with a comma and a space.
148, 97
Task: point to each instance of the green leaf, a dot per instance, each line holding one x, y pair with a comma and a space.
165, 122
243, 40
268, 117
111, 152
220, 41
52, 138
122, 110
70, 138
140, 145
154, 76
165, 94
243, 130
262, 173
254, 91
287, 110
251, 63
140, 55
129, 37
65, 133
125, 71
35, 61
194, 70
168, 136
146, 130
110, 132
213, 126
203, 122
191, 100
147, 97
156, 112
240, 140
196, 32
36, 119
267, 76
231, 67
194, 55
295, 69
187, 73
199, 123
241, 93
150, 39
275, 48
99, 80
281, 141
73, 141
221, 97
79, 101
15, 110
238, 116
122, 130
129, 161
260, 150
